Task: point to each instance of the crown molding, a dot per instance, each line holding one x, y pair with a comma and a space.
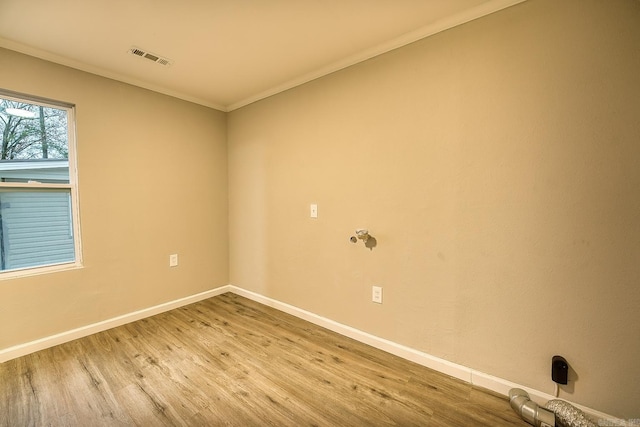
468, 15
102, 72
434, 28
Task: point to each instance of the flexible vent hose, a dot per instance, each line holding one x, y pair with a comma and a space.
568, 415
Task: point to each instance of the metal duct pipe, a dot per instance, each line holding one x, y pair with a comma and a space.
529, 410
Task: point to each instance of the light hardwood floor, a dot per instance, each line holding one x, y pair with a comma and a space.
231, 361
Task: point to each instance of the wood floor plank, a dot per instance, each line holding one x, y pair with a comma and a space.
229, 361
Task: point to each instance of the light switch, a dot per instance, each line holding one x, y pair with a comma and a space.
314, 210
173, 260
376, 294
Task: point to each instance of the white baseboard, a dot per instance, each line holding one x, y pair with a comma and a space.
480, 379
50, 341
477, 378
441, 365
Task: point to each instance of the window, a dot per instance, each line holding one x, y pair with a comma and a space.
38, 194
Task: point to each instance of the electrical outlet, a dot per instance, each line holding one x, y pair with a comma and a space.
173, 260
376, 295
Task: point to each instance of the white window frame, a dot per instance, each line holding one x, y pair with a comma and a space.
72, 186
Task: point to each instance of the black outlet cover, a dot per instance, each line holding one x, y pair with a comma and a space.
559, 370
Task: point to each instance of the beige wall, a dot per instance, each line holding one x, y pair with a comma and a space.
153, 181
498, 166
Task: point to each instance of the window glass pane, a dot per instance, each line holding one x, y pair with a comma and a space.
35, 228
35, 144
38, 211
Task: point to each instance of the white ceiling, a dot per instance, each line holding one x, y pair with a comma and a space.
225, 53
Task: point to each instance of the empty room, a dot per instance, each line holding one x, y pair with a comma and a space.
330, 213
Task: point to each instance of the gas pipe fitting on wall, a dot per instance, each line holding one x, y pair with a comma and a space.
363, 234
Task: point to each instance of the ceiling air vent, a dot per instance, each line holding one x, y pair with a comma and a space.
150, 56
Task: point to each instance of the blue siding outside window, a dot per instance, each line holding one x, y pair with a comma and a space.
36, 229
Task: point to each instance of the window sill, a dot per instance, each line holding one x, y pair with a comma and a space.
36, 271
